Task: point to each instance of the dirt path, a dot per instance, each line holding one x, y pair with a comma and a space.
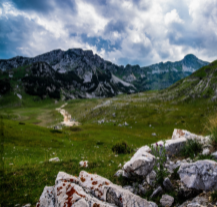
67, 121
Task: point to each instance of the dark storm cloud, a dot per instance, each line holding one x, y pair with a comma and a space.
42, 6
15, 33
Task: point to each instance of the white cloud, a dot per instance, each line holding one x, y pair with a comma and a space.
172, 17
153, 31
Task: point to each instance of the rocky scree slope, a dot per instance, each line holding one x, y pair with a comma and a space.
42, 80
85, 65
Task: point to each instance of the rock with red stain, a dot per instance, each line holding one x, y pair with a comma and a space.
94, 184
69, 194
140, 165
62, 176
124, 198
180, 133
47, 198
83, 163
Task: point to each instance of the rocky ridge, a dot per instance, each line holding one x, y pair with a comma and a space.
193, 187
87, 66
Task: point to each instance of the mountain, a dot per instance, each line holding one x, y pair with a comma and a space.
76, 73
202, 84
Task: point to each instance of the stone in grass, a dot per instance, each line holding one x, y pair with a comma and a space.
83, 163
167, 200
55, 159
206, 151
151, 177
167, 184
27, 205
157, 191
214, 155
118, 173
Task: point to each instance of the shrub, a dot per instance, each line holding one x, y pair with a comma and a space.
122, 148
159, 151
213, 138
214, 196
191, 148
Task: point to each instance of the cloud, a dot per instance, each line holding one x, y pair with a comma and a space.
123, 31
172, 17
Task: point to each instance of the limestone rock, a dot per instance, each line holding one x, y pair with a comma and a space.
63, 177
118, 173
201, 175
129, 187
141, 164
167, 184
55, 159
92, 191
157, 191
167, 200
197, 201
206, 151
214, 155
94, 184
172, 146
121, 197
180, 133
83, 163
150, 178
47, 198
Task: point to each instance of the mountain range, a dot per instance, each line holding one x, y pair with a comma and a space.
76, 73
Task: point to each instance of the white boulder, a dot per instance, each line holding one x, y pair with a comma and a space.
55, 159
141, 164
200, 175
167, 200
83, 163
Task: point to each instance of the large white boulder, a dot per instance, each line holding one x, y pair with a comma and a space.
68, 194
172, 147
181, 133
89, 190
200, 175
141, 164
94, 184
64, 177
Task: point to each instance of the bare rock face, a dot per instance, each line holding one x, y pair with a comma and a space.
167, 200
89, 190
201, 175
140, 165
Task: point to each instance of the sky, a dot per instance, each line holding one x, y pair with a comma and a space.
140, 32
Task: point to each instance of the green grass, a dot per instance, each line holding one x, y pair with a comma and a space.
29, 146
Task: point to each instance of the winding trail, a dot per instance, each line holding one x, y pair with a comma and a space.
67, 121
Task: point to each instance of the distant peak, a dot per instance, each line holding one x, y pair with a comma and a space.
190, 56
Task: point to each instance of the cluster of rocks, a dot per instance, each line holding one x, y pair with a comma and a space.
192, 182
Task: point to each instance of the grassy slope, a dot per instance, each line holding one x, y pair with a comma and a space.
30, 146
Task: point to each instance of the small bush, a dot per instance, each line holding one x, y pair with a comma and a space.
205, 157
214, 196
191, 148
75, 129
175, 175
99, 143
56, 131
21, 123
159, 151
122, 148
213, 138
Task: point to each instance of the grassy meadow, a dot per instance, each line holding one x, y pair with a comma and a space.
30, 141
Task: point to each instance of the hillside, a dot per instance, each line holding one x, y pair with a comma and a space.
87, 75
201, 84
